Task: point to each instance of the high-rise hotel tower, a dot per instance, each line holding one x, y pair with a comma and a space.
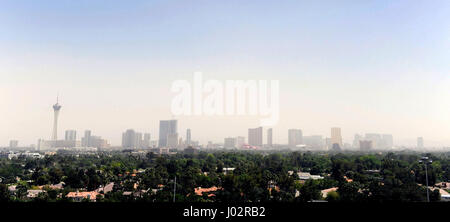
56, 109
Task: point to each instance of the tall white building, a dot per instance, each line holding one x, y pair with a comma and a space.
269, 137
188, 137
86, 140
167, 128
255, 136
56, 109
129, 139
138, 140
71, 135
336, 137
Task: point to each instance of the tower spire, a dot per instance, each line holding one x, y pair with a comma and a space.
56, 109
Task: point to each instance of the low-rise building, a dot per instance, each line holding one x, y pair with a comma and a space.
108, 188
228, 170
58, 186
34, 193
326, 191
12, 188
445, 197
79, 196
308, 176
199, 191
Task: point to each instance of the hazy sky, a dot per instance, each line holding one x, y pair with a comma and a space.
364, 66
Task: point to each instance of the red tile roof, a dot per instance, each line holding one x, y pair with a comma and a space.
199, 191
92, 195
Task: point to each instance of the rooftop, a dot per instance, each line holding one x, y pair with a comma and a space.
91, 195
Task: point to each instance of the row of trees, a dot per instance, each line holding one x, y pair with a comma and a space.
258, 176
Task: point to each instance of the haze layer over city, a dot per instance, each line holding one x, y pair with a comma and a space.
379, 68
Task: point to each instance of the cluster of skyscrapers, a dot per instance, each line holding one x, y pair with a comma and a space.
296, 139
134, 140
70, 139
373, 141
255, 139
169, 138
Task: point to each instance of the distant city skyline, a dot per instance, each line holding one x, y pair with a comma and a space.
363, 66
132, 139
169, 128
